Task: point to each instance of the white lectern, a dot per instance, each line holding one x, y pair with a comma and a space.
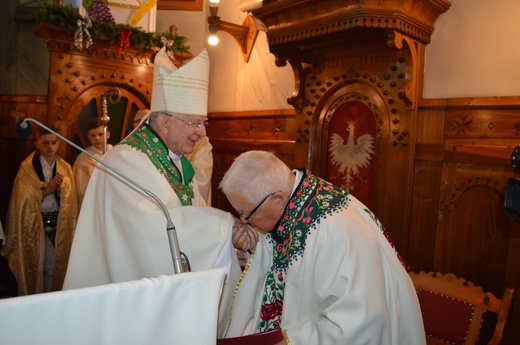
176, 309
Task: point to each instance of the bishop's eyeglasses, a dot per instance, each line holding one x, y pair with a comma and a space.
196, 125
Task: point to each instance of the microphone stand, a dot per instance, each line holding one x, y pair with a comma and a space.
170, 227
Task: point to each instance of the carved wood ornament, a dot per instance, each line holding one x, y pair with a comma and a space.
296, 27
78, 79
358, 66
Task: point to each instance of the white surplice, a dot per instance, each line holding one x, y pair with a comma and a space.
347, 287
83, 168
121, 233
202, 161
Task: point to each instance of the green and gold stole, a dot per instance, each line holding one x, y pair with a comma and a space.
148, 142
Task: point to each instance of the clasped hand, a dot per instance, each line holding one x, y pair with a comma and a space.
54, 184
243, 237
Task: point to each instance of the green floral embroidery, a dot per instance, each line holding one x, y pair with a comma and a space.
147, 141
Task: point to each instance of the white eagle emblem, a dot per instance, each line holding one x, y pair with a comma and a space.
352, 156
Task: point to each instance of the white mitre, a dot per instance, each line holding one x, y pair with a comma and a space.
182, 90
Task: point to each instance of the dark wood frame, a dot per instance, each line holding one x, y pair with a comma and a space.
180, 5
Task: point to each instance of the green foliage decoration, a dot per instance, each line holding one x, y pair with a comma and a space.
66, 17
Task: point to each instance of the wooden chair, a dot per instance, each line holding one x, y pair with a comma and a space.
453, 308
265, 338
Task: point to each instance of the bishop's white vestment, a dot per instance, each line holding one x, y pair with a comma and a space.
121, 233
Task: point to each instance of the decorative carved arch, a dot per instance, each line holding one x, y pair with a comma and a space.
469, 245
132, 100
452, 194
364, 97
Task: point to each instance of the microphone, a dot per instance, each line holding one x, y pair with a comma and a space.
23, 129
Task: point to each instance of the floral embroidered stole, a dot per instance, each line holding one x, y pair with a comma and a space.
147, 141
313, 200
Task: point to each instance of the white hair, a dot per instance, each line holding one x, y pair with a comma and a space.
254, 174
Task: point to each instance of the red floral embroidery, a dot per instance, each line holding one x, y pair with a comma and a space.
269, 312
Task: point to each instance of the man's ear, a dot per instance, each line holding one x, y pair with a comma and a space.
278, 198
162, 120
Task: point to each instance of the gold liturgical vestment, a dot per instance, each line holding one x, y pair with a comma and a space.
24, 231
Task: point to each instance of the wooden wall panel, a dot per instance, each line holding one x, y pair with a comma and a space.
473, 231
424, 214
236, 132
426, 186
14, 150
463, 165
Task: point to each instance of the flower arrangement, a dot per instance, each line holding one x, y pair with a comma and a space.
68, 18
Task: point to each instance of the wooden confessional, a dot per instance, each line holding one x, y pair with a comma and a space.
358, 67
